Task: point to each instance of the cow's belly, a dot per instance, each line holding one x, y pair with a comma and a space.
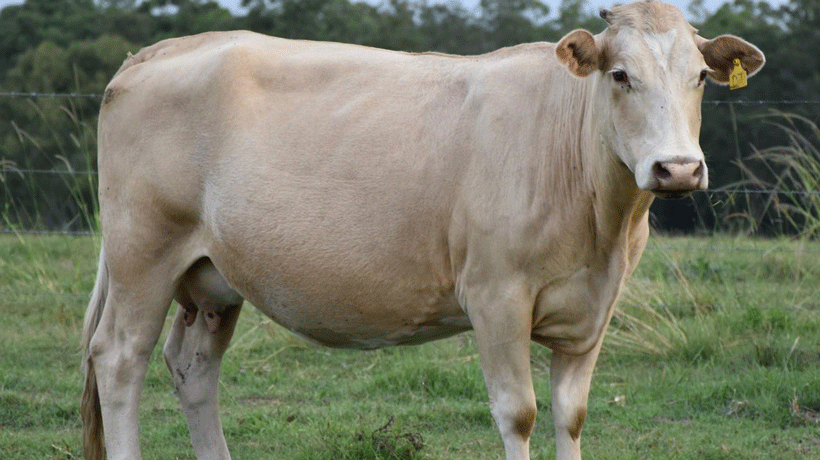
368, 320
354, 262
355, 289
381, 335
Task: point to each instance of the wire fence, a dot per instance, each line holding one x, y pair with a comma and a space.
20, 94
66, 216
66, 189
741, 191
73, 221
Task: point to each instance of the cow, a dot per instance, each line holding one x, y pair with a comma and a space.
365, 198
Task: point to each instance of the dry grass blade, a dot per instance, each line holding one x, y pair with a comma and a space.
792, 174
653, 335
649, 330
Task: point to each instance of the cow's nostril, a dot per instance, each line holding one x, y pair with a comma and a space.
699, 171
660, 171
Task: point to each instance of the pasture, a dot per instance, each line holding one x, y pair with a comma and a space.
714, 353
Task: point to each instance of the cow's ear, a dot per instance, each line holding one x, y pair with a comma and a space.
720, 53
577, 50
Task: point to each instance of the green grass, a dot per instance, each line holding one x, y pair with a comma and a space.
713, 354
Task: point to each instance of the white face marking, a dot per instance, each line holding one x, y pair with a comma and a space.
652, 124
661, 46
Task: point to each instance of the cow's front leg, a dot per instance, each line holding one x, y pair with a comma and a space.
503, 330
570, 377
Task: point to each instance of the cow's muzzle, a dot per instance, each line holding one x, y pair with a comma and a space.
678, 177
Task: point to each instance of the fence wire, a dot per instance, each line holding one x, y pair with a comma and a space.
712, 194
31, 231
71, 228
19, 171
649, 247
11, 170
764, 102
622, 304
23, 94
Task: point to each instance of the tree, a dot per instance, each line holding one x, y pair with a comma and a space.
177, 18
573, 14
451, 29
26, 26
77, 46
510, 22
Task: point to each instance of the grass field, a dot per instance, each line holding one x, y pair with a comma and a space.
714, 354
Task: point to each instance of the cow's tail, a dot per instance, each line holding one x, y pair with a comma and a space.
93, 447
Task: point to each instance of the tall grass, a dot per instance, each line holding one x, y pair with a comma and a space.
31, 198
692, 325
791, 173
725, 363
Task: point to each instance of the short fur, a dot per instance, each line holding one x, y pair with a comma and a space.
365, 198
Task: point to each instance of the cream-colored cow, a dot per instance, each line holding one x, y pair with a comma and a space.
364, 198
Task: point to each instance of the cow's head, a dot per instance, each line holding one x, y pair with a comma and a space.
650, 68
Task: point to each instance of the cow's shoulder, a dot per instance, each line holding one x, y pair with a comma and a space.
518, 73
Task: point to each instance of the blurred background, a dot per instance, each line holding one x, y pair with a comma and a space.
57, 56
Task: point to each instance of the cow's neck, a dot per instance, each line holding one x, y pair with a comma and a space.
620, 208
600, 230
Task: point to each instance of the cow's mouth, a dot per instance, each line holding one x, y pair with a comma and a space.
671, 194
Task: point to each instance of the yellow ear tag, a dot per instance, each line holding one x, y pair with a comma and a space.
737, 79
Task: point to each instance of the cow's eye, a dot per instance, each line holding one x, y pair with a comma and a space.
703, 74
621, 78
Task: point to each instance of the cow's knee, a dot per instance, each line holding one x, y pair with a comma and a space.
524, 422
515, 423
576, 423
515, 420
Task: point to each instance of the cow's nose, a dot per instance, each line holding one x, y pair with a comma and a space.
678, 177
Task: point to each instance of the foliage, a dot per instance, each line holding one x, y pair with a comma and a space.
75, 46
794, 167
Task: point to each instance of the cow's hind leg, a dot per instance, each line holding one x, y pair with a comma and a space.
194, 356
119, 349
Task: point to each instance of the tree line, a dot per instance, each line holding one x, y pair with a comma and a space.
76, 46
